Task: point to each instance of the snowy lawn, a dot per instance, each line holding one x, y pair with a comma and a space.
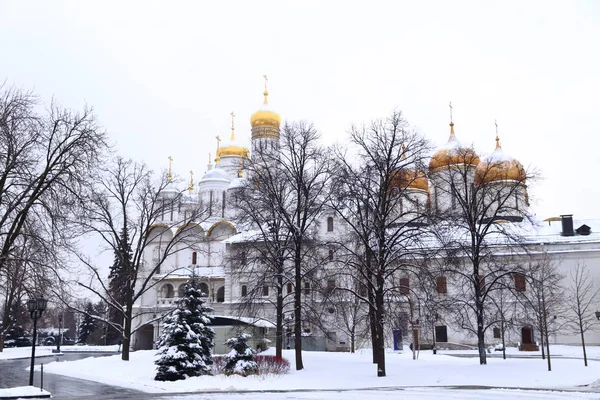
555, 351
341, 371
12, 353
23, 391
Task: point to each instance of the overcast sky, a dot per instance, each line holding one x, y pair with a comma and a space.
164, 76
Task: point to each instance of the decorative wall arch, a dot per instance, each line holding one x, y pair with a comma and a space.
227, 224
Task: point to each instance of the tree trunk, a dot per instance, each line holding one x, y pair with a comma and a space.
127, 331
298, 309
503, 341
379, 304
547, 341
279, 318
480, 333
582, 340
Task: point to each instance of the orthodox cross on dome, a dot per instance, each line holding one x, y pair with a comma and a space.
450, 105
266, 92
218, 158
232, 126
170, 173
191, 186
451, 122
497, 138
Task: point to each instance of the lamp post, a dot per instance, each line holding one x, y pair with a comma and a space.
35, 307
60, 320
288, 331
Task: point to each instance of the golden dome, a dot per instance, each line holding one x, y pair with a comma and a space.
232, 151
264, 116
231, 148
452, 153
499, 167
410, 179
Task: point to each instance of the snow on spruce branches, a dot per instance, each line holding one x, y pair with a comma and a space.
240, 360
186, 342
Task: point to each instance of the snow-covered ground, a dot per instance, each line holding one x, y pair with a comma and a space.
331, 371
12, 353
555, 350
22, 391
407, 394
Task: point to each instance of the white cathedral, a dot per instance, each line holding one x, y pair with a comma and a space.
571, 241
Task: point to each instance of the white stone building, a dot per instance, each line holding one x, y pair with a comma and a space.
569, 241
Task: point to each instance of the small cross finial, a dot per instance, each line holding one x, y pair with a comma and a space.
266, 92
209, 159
218, 142
191, 186
497, 138
450, 105
232, 126
170, 173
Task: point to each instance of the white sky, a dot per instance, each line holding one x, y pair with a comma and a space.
164, 76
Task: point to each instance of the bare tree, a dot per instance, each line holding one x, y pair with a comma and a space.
288, 189
582, 297
380, 199
45, 160
127, 198
545, 301
476, 207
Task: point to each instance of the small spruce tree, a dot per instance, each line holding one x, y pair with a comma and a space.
119, 285
186, 341
87, 325
240, 359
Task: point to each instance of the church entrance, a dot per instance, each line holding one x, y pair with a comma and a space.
144, 338
527, 343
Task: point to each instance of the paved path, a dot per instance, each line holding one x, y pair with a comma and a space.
13, 373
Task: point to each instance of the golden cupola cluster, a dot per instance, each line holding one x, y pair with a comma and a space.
453, 153
231, 148
499, 168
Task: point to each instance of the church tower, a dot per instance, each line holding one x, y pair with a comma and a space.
265, 127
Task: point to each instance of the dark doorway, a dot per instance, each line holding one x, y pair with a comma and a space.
441, 334
526, 335
145, 338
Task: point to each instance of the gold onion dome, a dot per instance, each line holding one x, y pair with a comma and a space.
499, 167
265, 116
453, 153
410, 178
231, 148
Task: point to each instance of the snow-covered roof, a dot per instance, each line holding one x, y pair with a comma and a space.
215, 174
238, 183
198, 272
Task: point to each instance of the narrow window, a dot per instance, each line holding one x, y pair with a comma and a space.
519, 282
243, 258
289, 288
404, 286
194, 258
172, 210
244, 290
330, 224
441, 285
221, 294
497, 333
330, 255
481, 283
210, 204
223, 209
517, 200
306, 288
330, 286
265, 290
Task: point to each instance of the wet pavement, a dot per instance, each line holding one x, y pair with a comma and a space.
13, 373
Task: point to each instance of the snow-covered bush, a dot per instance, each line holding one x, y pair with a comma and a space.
240, 360
186, 342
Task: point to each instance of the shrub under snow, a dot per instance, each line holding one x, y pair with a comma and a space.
240, 360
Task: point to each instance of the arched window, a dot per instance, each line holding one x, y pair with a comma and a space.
181, 290
244, 290
243, 257
167, 291
204, 288
330, 255
194, 258
290, 288
221, 294
330, 224
404, 286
